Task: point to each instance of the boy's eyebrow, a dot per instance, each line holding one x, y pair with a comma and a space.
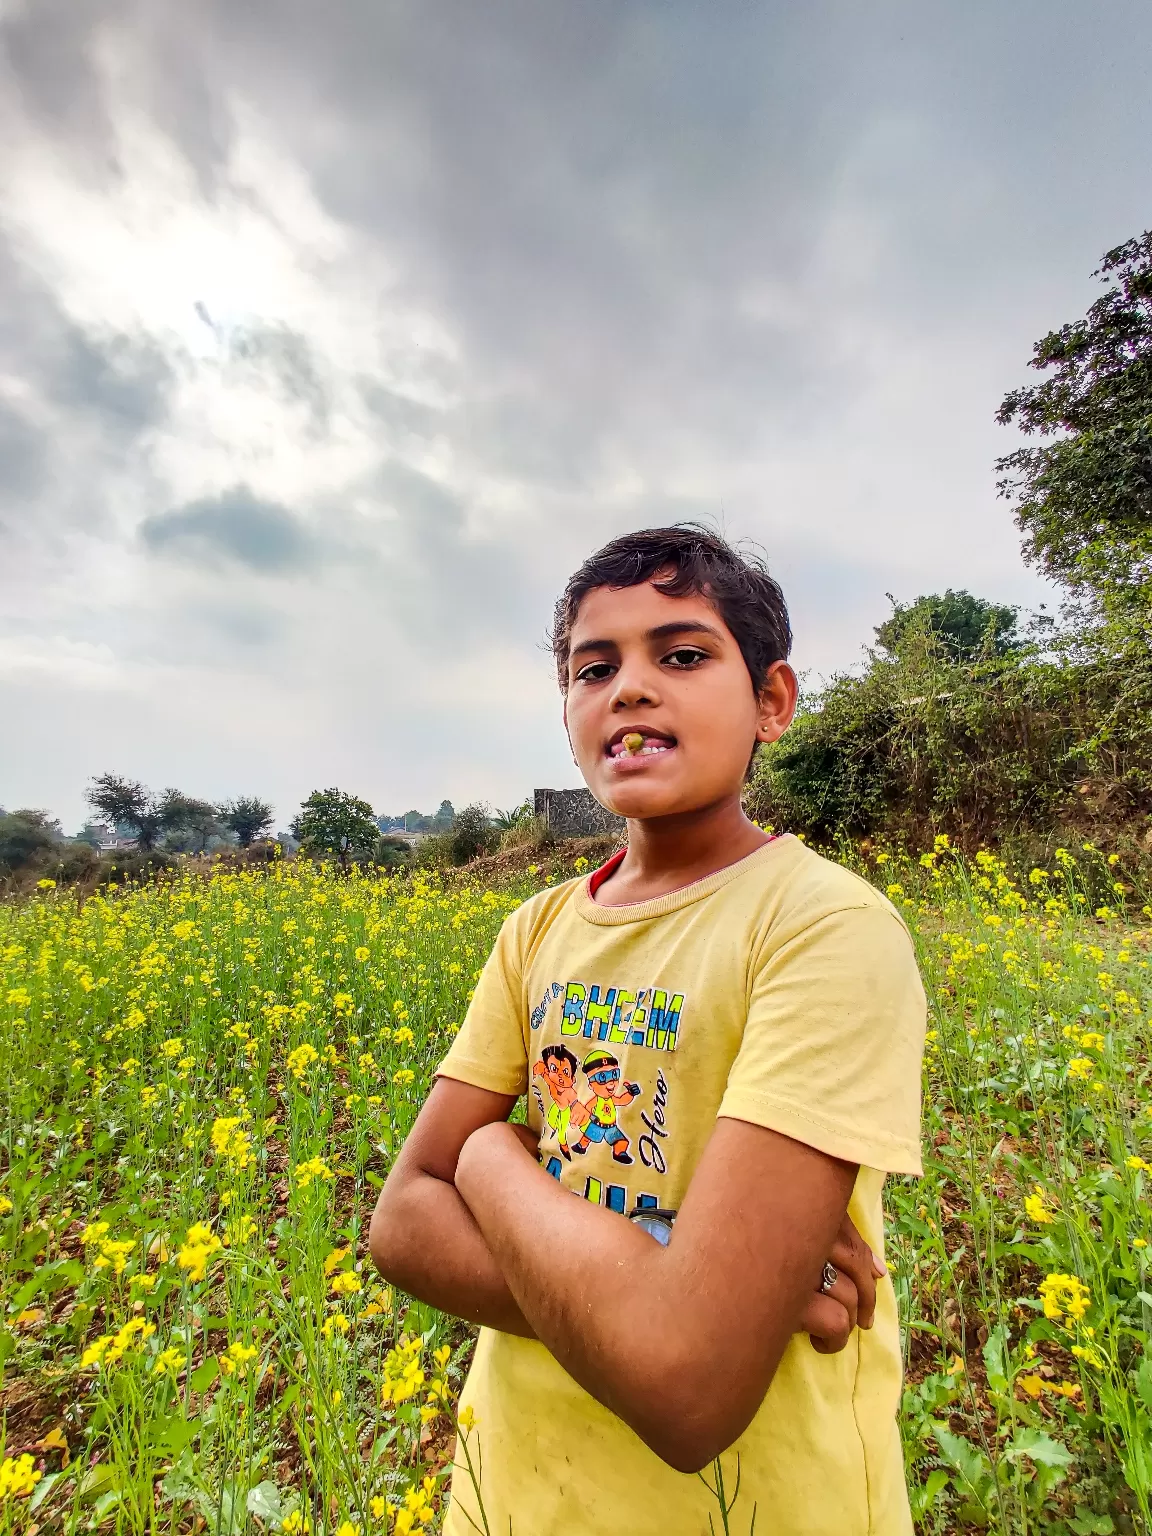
661, 632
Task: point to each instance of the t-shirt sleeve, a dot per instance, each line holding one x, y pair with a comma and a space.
489, 1052
834, 1042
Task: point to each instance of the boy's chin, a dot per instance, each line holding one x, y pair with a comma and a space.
643, 802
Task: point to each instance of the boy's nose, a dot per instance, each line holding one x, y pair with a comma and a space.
635, 686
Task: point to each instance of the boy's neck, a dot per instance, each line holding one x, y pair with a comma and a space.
666, 853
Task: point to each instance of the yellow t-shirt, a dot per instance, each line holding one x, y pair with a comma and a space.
782, 990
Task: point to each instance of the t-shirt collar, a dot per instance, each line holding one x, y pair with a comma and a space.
671, 901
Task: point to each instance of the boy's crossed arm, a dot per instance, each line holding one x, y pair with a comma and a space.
680, 1342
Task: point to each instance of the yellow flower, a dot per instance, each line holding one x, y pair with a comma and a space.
18, 1477
198, 1247
335, 1259
361, 953
378, 1507
337, 1323
1139, 1242
1037, 1209
1081, 1067
347, 1283
5, 1205
231, 1144
1031, 1386
1089, 1355
1064, 1294
467, 1419
168, 1362
301, 1059
346, 1528
234, 1362
314, 1169
296, 1523
1140, 1164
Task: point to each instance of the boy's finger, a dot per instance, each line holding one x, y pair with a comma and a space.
846, 1295
853, 1260
827, 1324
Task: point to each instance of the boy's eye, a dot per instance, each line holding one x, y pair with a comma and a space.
685, 656
595, 672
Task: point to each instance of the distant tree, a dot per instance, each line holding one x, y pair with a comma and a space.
148, 818
247, 818
127, 803
1084, 498
337, 824
392, 852
472, 834
967, 626
191, 823
504, 821
444, 817
25, 836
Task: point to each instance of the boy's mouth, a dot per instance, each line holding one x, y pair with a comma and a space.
631, 742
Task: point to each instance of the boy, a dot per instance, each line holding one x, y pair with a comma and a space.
764, 1019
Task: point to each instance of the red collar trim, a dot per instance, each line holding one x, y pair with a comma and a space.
598, 876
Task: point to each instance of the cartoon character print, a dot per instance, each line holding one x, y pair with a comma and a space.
558, 1067
609, 1094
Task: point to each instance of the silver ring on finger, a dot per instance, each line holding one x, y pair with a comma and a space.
829, 1278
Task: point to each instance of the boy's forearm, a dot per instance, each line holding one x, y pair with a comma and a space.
681, 1342
609, 1302
425, 1240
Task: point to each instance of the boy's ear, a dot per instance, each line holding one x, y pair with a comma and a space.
777, 702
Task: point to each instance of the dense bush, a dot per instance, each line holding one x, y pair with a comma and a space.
1006, 746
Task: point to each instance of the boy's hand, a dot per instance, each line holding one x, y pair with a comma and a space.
531, 1142
831, 1315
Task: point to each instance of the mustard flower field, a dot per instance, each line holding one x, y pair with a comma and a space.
206, 1078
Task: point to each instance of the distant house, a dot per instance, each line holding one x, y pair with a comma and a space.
108, 839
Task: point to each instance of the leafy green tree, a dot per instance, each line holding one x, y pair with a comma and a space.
128, 803
472, 834
193, 823
247, 819
445, 816
967, 627
336, 824
504, 821
25, 837
1084, 498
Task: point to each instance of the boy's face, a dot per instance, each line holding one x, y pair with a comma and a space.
669, 670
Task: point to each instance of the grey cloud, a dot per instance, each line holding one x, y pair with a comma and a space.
233, 528
284, 358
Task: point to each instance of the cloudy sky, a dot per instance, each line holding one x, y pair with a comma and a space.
332, 337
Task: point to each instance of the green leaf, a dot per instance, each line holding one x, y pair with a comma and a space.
1085, 1523
972, 1464
1143, 1376
173, 1434
98, 1482
264, 1502
43, 1488
1038, 1447
995, 1362
204, 1375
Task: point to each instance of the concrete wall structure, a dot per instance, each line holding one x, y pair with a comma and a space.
574, 813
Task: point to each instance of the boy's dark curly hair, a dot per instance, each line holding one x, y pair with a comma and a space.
686, 558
